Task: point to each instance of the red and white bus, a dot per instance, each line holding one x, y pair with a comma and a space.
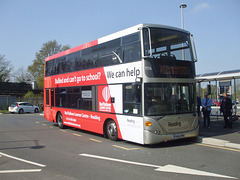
136, 84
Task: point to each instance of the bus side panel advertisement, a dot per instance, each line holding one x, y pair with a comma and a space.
104, 100
131, 128
114, 74
87, 120
128, 126
80, 78
110, 99
123, 73
116, 92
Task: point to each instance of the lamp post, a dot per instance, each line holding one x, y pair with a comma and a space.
182, 6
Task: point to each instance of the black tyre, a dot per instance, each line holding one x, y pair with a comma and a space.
60, 120
36, 110
112, 132
21, 111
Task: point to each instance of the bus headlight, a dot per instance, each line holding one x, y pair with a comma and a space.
156, 132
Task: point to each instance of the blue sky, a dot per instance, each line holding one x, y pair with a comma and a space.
26, 24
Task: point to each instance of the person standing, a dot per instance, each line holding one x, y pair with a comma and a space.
206, 109
226, 109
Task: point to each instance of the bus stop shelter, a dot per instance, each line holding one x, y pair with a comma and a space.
224, 81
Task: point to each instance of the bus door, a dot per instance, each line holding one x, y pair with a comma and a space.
52, 98
49, 104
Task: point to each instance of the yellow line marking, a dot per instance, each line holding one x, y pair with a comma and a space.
76, 134
219, 147
128, 149
37, 122
44, 124
95, 140
62, 130
51, 127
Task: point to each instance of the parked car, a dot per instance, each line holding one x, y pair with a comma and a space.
21, 107
216, 103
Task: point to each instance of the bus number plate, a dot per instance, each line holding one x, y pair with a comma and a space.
178, 136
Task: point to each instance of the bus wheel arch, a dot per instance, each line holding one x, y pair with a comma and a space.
59, 120
110, 129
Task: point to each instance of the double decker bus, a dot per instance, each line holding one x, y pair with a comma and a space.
136, 84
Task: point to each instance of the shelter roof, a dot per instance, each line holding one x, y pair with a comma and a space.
219, 76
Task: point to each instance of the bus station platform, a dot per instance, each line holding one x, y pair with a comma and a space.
216, 135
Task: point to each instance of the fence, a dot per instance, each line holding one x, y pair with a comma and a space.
216, 110
6, 101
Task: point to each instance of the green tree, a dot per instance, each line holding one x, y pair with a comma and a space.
37, 68
5, 69
29, 94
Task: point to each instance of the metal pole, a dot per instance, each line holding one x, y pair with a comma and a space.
182, 17
217, 99
182, 6
199, 94
235, 91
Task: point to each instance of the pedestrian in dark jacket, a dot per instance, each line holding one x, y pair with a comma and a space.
226, 109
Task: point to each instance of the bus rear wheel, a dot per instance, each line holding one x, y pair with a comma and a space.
60, 120
112, 132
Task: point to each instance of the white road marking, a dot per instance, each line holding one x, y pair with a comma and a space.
20, 171
167, 168
119, 160
183, 170
23, 160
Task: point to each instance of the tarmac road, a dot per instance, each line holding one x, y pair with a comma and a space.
34, 148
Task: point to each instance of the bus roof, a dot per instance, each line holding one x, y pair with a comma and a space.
116, 35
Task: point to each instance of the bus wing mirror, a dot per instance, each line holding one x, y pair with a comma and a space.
193, 49
149, 40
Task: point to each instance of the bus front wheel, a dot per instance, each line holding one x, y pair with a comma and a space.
112, 132
60, 120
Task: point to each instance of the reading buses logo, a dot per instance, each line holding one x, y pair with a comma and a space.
104, 104
106, 94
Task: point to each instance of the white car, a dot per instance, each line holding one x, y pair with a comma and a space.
21, 107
